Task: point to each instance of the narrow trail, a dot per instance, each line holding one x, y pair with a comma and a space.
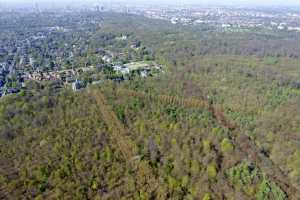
246, 145
128, 148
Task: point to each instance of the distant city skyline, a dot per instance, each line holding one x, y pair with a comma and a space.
200, 2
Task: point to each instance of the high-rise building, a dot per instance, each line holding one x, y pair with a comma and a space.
110, 5
53, 6
37, 7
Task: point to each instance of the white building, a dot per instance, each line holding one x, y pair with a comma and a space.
122, 69
107, 59
174, 20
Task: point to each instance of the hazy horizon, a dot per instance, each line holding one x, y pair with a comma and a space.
199, 2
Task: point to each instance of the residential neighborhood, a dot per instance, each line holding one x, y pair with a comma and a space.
60, 53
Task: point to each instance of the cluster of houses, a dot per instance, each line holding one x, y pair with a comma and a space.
13, 80
68, 77
108, 56
26, 68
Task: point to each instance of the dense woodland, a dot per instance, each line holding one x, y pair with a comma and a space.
60, 144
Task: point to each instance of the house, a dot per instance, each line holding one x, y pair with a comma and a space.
174, 20
97, 82
136, 45
11, 91
107, 59
2, 83
117, 79
290, 28
144, 73
37, 76
226, 25
23, 85
77, 85
3, 52
122, 38
121, 68
70, 79
32, 62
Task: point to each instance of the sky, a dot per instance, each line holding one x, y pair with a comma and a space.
200, 2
